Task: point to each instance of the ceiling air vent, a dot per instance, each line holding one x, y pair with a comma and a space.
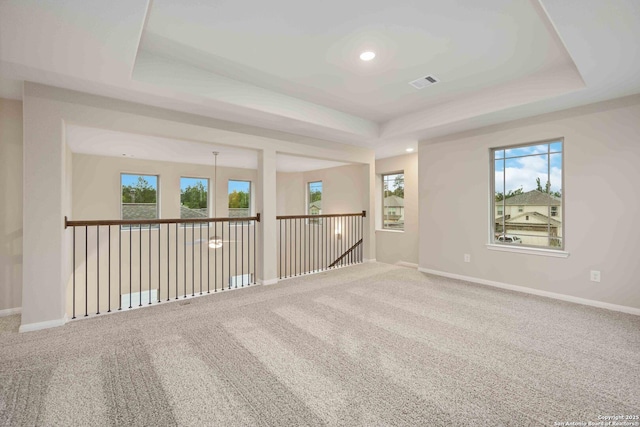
423, 82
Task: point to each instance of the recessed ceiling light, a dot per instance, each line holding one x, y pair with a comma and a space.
367, 56
409, 150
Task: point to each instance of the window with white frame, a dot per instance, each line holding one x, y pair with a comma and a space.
527, 194
393, 201
139, 199
239, 198
314, 200
194, 197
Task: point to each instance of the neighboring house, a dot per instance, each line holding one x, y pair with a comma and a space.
139, 211
315, 208
189, 213
393, 212
533, 216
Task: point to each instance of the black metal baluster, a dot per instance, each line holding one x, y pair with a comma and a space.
120, 267
280, 248
222, 261
98, 269
184, 261
208, 257
149, 278
235, 250
159, 263
193, 259
168, 263
73, 316
140, 265
109, 277
177, 273
200, 258
215, 260
255, 272
86, 271
242, 252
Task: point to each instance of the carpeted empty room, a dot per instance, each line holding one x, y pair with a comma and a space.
372, 344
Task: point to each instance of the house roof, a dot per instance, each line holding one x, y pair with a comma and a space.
316, 204
139, 211
532, 198
393, 201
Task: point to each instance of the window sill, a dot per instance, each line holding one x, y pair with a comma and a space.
386, 230
528, 250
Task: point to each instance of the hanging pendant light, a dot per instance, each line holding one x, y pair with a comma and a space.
215, 242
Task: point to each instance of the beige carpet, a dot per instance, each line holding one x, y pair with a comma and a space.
368, 345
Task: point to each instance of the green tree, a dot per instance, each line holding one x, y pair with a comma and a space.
500, 196
194, 196
239, 200
141, 192
315, 196
547, 188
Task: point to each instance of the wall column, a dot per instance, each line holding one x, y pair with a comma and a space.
266, 204
44, 267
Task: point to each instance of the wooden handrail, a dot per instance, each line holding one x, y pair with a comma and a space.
362, 214
359, 242
99, 222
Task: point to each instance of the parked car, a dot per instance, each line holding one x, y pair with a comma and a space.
507, 238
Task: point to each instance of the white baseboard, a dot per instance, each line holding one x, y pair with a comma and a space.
369, 260
42, 325
268, 282
9, 311
562, 297
407, 264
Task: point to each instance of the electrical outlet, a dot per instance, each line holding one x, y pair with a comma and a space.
467, 258
595, 276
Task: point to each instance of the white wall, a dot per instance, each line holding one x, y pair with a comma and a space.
399, 246
97, 192
10, 204
602, 154
344, 190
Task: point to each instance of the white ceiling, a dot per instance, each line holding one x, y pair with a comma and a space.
101, 142
293, 66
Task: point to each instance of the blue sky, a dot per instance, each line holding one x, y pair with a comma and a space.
521, 172
133, 180
190, 182
239, 186
315, 186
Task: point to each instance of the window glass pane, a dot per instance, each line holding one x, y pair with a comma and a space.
393, 201
556, 147
194, 198
139, 196
528, 206
498, 154
239, 199
526, 151
314, 202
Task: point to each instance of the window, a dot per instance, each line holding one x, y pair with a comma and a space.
139, 197
314, 200
239, 199
530, 178
393, 201
194, 198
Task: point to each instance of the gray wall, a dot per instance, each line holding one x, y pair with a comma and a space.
10, 204
602, 202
